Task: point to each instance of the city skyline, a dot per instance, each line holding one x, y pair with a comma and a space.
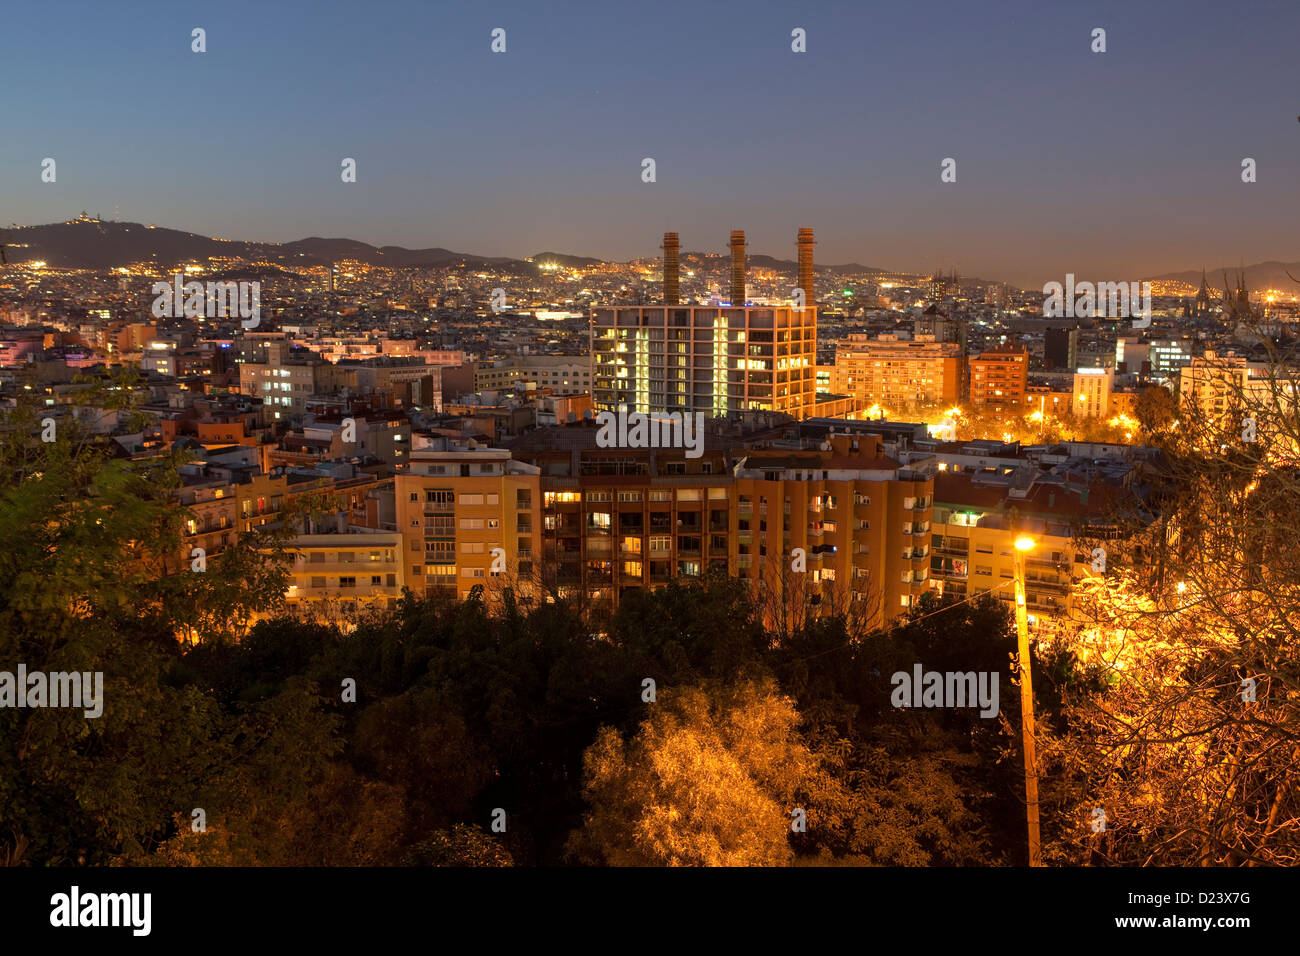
460, 436
15, 241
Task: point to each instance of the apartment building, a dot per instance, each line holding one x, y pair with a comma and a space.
1162, 357
380, 436
402, 380
1092, 392
618, 519
974, 551
862, 520
1058, 499
332, 503
211, 519
20, 345
999, 377
705, 359
563, 374
335, 575
898, 373
286, 381
468, 515
1221, 382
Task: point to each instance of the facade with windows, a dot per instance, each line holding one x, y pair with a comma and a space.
618, 520
899, 373
705, 359
335, 575
468, 516
999, 377
860, 520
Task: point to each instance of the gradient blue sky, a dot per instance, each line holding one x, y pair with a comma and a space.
1106, 165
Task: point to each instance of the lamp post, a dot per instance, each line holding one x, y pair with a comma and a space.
1025, 544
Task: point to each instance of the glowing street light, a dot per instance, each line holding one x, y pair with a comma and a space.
1025, 544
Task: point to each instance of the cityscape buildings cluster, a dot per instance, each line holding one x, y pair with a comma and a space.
446, 443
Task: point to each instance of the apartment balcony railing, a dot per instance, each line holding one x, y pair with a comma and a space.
1055, 587
948, 574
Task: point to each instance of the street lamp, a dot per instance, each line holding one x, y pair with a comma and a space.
1025, 544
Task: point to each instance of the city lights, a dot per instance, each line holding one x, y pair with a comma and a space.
722, 480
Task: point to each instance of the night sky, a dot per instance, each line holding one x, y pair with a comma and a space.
1108, 165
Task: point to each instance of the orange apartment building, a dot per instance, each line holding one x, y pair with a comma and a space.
861, 519
999, 377
899, 373
333, 576
620, 519
219, 510
468, 515
211, 519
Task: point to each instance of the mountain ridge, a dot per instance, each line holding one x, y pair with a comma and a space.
88, 243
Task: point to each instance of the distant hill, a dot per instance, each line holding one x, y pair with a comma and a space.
87, 243
95, 244
1261, 275
569, 262
719, 260
91, 244
325, 251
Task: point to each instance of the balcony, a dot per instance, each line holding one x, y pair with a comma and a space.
1053, 587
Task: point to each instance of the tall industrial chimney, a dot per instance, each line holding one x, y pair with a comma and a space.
806, 244
737, 267
670, 269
